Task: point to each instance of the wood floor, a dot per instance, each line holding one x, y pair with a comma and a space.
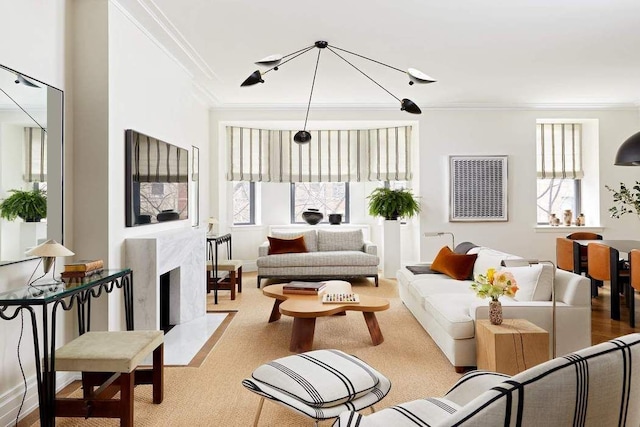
602, 327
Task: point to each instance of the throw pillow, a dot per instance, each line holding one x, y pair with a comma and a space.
456, 266
340, 240
286, 246
310, 237
534, 282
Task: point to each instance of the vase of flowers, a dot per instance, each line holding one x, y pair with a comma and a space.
493, 285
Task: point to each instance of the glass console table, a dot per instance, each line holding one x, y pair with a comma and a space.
66, 296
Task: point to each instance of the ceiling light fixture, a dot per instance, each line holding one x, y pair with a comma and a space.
275, 61
629, 152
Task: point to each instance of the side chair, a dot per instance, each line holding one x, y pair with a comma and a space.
634, 284
603, 264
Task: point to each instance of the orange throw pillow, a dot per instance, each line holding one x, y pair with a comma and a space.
456, 266
286, 246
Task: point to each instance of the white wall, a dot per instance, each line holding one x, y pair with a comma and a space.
121, 79
447, 132
40, 54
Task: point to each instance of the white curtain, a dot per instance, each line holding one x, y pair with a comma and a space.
35, 148
331, 155
559, 150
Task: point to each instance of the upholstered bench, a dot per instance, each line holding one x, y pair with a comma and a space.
319, 384
110, 360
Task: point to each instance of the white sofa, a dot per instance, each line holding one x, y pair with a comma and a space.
447, 308
593, 387
330, 255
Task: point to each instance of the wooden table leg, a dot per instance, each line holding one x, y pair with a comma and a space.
302, 334
374, 328
275, 311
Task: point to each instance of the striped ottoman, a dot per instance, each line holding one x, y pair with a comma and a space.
319, 384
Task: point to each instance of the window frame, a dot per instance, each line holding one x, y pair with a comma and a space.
292, 198
577, 203
252, 204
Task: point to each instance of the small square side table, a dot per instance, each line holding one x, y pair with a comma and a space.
512, 347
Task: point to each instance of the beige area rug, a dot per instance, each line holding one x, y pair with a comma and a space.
212, 394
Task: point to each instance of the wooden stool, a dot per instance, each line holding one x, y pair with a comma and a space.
109, 360
234, 268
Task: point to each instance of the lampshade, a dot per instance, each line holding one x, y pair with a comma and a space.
410, 107
255, 77
629, 152
212, 220
48, 251
50, 248
417, 76
303, 137
270, 61
20, 79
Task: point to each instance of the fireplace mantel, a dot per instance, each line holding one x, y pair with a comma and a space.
181, 252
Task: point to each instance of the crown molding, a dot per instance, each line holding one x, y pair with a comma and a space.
428, 107
150, 20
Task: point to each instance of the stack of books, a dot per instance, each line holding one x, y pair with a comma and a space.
81, 269
303, 288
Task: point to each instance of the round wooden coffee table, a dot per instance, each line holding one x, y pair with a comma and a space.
306, 308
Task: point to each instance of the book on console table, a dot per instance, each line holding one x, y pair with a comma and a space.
304, 288
70, 274
84, 265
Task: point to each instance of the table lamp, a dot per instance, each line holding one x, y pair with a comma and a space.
48, 251
442, 233
213, 222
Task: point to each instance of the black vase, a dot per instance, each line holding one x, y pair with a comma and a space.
312, 216
335, 219
167, 215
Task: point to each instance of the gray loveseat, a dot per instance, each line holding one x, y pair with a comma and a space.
330, 255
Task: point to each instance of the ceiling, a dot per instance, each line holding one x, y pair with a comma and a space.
484, 53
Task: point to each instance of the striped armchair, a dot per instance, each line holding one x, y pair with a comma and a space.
597, 386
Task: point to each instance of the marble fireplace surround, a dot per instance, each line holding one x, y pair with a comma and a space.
181, 252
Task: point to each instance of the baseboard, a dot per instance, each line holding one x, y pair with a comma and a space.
10, 401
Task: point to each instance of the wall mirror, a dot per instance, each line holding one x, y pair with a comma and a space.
31, 160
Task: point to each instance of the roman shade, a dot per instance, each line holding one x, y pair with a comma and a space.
157, 161
559, 150
35, 155
346, 155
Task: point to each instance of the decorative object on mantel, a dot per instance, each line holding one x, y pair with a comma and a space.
167, 215
391, 204
335, 219
312, 216
275, 61
625, 200
493, 285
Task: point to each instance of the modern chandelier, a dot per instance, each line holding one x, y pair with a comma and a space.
275, 61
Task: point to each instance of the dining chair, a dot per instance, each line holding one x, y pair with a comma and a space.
586, 235
603, 264
634, 284
568, 258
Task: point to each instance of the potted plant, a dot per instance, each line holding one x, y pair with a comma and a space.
31, 205
392, 204
626, 200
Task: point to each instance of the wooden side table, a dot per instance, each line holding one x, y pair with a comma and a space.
512, 347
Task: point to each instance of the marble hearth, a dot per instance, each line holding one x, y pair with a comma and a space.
181, 252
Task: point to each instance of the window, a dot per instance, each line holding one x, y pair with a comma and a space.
327, 197
244, 203
559, 167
